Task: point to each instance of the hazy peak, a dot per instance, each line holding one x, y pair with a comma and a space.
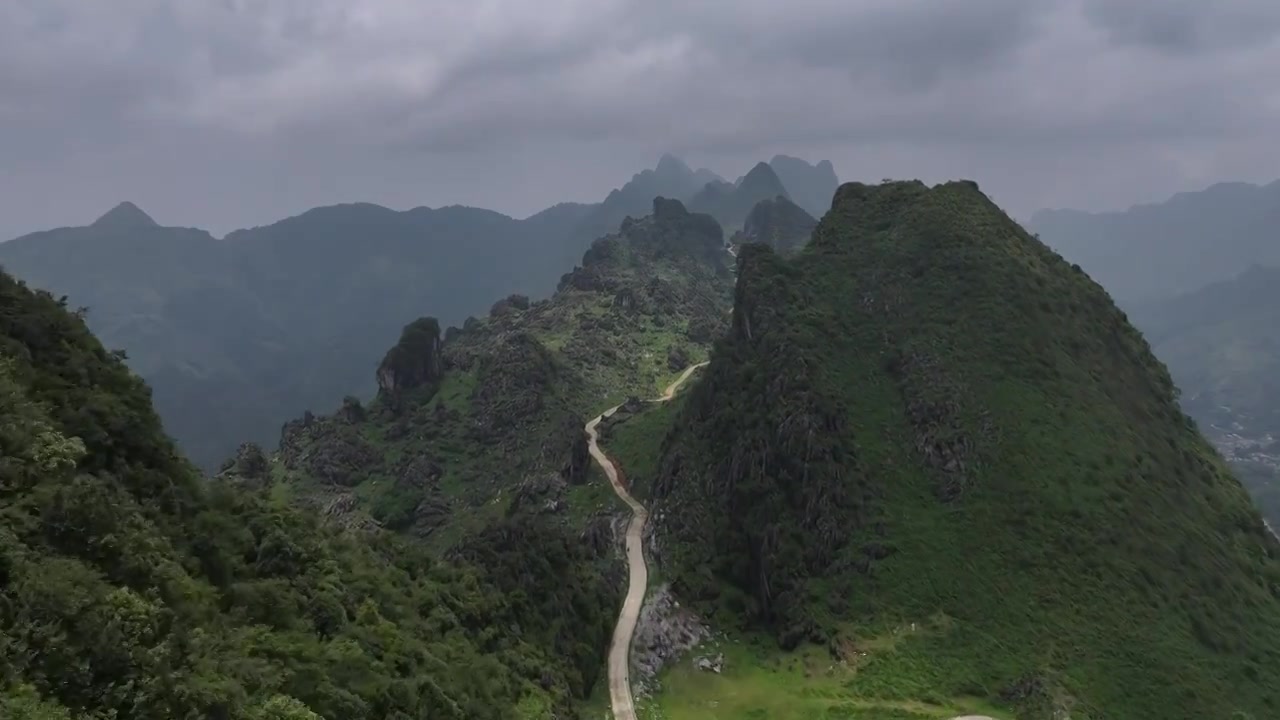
125, 216
670, 164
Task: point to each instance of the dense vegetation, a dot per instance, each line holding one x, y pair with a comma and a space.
238, 335
928, 419
488, 417
131, 589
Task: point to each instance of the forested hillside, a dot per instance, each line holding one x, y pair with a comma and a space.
131, 589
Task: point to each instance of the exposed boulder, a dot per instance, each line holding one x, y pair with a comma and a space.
414, 362
510, 304
664, 632
351, 411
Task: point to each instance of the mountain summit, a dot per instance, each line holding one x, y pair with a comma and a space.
811, 186
933, 447
125, 216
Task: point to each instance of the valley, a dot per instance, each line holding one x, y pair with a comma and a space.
380, 360
837, 468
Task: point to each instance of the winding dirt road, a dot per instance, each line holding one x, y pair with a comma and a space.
620, 648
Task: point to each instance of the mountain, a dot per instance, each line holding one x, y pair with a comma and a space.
729, 203
671, 178
123, 217
934, 449
237, 335
132, 588
778, 223
471, 422
1153, 252
1222, 346
811, 186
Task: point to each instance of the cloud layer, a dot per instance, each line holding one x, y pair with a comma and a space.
230, 112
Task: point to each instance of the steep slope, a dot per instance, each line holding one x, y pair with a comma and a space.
1222, 346
778, 223
131, 589
1152, 252
931, 445
811, 186
482, 419
730, 204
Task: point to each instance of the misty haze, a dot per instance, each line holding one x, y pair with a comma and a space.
876, 360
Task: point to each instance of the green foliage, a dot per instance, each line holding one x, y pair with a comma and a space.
927, 416
131, 589
502, 432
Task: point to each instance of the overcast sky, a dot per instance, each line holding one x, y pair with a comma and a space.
230, 113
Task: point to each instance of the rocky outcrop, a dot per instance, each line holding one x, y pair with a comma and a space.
351, 411
331, 451
511, 386
664, 632
250, 465
414, 362
938, 407
509, 305
578, 463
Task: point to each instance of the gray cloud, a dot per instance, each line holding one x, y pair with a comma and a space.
224, 113
1187, 26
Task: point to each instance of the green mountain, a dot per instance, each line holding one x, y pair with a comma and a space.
472, 422
936, 450
1154, 252
130, 588
238, 335
811, 186
778, 223
729, 203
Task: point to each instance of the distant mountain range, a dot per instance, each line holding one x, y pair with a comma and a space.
1153, 252
239, 334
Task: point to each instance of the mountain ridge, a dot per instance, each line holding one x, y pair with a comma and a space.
239, 334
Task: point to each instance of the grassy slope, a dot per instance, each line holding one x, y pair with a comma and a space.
1093, 542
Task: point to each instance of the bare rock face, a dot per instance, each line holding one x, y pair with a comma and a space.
510, 305
664, 632
578, 464
415, 361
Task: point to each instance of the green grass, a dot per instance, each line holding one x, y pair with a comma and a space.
593, 497
761, 683
637, 442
